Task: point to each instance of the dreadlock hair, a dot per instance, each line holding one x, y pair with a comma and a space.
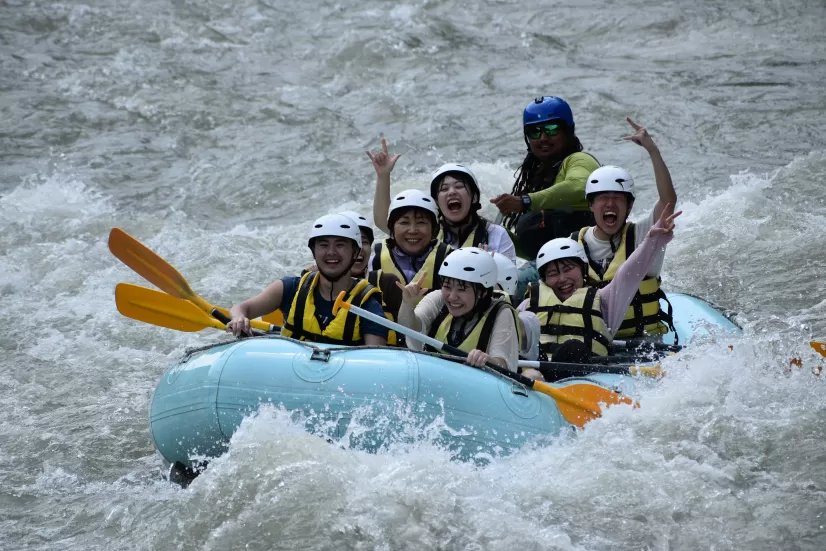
532, 173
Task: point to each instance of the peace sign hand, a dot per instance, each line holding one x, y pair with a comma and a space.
413, 292
382, 161
640, 136
665, 225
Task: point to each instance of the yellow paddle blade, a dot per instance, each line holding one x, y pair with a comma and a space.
579, 403
653, 371
152, 267
275, 318
157, 308
820, 347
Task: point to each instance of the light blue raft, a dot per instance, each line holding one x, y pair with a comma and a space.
200, 402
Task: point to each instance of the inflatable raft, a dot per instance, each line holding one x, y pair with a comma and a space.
200, 402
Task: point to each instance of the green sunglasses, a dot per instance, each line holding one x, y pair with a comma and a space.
534, 132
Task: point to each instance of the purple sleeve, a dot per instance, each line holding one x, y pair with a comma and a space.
616, 297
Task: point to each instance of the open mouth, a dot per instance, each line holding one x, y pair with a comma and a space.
566, 288
454, 205
610, 217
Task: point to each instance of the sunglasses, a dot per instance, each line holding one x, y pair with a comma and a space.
535, 132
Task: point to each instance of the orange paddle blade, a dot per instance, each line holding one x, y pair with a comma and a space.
820, 347
157, 308
579, 403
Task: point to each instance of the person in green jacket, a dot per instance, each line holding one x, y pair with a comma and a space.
547, 198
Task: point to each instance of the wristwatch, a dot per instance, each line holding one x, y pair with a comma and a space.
526, 203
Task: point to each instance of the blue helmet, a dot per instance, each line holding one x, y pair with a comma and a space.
548, 108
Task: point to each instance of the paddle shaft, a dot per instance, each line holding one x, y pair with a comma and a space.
642, 343
585, 369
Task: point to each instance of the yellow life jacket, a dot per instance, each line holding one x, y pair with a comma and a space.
383, 261
476, 238
644, 316
393, 339
478, 337
578, 318
344, 328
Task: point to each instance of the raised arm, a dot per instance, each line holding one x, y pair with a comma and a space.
383, 163
263, 303
616, 297
665, 187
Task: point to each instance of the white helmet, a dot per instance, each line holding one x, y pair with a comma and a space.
470, 264
453, 167
507, 273
335, 225
413, 198
361, 221
609, 178
556, 249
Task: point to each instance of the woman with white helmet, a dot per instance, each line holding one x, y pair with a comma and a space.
335, 241
456, 192
578, 321
464, 312
527, 325
610, 195
412, 248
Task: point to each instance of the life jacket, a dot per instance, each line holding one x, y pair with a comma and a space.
345, 328
478, 337
393, 338
476, 238
499, 294
644, 315
383, 261
578, 318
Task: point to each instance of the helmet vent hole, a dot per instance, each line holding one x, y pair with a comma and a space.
469, 269
318, 225
565, 247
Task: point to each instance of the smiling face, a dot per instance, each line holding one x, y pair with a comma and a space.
610, 208
454, 199
459, 296
547, 147
360, 266
412, 231
564, 277
333, 255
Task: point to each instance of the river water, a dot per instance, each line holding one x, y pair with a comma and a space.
214, 132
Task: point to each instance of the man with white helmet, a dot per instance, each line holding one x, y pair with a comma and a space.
335, 241
578, 321
412, 248
527, 322
456, 192
464, 312
609, 191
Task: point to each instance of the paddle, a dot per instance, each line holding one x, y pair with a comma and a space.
620, 369
159, 272
579, 403
151, 306
820, 347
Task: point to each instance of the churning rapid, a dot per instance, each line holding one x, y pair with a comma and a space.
214, 132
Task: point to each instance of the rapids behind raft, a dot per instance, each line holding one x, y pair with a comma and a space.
200, 402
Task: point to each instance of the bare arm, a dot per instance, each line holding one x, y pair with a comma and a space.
667, 195
383, 163
263, 303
